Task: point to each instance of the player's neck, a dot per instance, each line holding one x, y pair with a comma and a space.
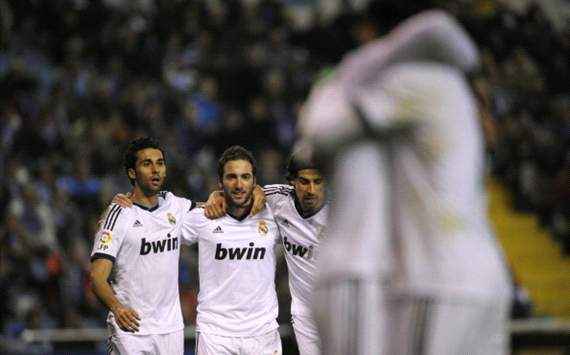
148, 200
239, 212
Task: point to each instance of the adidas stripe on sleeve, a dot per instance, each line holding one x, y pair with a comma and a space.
276, 193
110, 235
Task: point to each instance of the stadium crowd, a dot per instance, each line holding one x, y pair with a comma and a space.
79, 79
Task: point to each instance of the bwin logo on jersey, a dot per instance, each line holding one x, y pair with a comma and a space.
239, 253
158, 246
298, 250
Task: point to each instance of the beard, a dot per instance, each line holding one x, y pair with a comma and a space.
243, 201
149, 189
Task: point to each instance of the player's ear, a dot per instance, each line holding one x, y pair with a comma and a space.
132, 174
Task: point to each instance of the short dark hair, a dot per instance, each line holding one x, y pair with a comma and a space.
304, 158
235, 152
130, 158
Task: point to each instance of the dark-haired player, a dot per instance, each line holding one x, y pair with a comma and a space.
237, 303
300, 211
135, 260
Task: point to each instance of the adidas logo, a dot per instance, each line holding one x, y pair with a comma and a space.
218, 229
137, 223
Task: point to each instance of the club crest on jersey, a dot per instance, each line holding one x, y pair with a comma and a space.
171, 218
262, 228
105, 240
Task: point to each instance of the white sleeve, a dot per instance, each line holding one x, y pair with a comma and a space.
429, 36
190, 225
110, 234
276, 193
406, 96
327, 118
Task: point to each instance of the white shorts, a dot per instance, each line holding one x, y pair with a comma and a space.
426, 326
347, 315
355, 317
209, 344
155, 344
306, 334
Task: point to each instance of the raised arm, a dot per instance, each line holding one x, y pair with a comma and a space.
429, 36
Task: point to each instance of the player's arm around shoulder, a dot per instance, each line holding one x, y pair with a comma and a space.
275, 194
216, 205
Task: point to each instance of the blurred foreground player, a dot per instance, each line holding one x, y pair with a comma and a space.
135, 260
410, 265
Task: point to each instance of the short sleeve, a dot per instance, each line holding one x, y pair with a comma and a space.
110, 234
190, 225
276, 193
185, 204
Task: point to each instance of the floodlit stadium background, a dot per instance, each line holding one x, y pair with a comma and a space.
79, 79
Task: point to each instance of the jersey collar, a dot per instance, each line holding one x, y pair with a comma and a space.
243, 217
150, 209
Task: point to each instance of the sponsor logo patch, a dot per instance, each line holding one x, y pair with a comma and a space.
105, 240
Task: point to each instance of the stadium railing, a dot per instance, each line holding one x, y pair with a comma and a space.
525, 334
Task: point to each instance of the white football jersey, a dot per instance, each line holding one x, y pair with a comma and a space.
144, 245
237, 273
301, 238
428, 230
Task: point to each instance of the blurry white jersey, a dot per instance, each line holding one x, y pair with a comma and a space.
237, 273
301, 238
431, 219
144, 245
